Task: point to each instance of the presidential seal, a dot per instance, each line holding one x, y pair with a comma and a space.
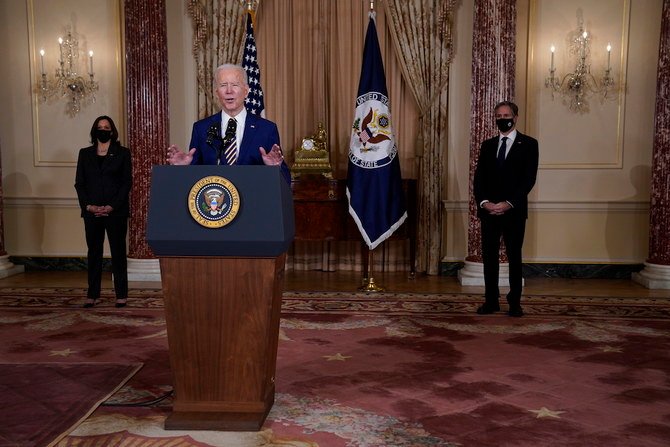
372, 143
213, 202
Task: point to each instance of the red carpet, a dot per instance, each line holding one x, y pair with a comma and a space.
43, 402
393, 371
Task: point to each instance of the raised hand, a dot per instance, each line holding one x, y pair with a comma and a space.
176, 157
272, 158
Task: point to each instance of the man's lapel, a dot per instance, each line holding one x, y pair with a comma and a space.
249, 132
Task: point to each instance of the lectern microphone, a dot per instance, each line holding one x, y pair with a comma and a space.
213, 134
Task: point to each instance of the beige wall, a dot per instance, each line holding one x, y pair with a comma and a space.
591, 200
585, 213
39, 141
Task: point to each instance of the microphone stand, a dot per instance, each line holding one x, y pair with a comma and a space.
214, 134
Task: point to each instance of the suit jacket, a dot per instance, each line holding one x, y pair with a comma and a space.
258, 132
513, 181
108, 183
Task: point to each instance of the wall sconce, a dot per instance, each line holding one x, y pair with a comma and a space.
576, 86
66, 81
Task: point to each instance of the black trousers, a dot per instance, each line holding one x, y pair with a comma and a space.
511, 228
116, 229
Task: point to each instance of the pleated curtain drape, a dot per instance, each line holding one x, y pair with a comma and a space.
218, 35
421, 30
310, 55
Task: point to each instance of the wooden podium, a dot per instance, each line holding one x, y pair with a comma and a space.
222, 290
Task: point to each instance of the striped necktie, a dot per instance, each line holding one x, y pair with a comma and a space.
230, 142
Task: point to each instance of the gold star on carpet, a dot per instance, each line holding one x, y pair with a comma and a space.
338, 357
63, 353
611, 349
545, 412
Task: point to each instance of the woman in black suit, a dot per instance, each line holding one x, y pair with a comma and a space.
103, 182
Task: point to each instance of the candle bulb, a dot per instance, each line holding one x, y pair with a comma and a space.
60, 48
42, 60
609, 54
90, 59
553, 49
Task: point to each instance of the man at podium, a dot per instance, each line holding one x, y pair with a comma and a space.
238, 320
232, 136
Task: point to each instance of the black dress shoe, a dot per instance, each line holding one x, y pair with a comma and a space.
120, 302
515, 311
90, 302
486, 309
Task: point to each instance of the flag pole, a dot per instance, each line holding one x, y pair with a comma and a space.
251, 10
251, 6
374, 183
369, 282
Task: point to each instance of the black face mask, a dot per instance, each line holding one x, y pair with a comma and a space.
505, 124
102, 135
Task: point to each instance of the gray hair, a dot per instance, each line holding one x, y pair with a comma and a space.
241, 69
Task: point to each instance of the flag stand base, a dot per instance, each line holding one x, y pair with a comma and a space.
370, 286
369, 282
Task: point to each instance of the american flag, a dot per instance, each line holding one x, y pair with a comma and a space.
254, 102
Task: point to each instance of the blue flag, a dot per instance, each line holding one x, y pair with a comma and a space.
254, 102
374, 184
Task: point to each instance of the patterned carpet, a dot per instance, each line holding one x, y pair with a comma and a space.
369, 303
383, 370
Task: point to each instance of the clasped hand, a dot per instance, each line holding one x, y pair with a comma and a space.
497, 209
100, 211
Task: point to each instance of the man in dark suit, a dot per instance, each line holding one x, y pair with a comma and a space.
232, 136
505, 174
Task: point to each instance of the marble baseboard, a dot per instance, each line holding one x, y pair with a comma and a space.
450, 268
581, 271
576, 271
57, 264
530, 270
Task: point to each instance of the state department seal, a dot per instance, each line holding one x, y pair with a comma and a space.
213, 201
372, 144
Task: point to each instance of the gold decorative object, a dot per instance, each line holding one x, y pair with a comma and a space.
252, 5
312, 157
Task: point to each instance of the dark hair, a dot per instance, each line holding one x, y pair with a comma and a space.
510, 104
115, 133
